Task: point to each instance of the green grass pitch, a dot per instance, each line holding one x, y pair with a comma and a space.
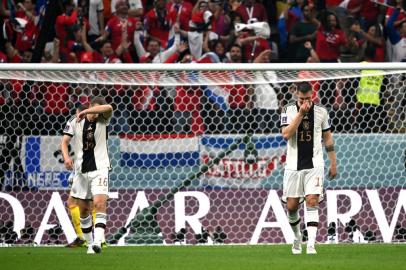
252, 257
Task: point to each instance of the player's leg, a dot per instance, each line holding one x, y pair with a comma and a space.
293, 215
75, 217
99, 186
86, 222
100, 202
294, 221
103, 244
293, 195
81, 191
313, 191
312, 208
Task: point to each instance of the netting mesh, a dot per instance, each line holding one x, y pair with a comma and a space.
201, 153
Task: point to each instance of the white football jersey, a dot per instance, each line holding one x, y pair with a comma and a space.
305, 149
90, 143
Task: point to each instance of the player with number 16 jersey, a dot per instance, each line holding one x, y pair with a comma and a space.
91, 167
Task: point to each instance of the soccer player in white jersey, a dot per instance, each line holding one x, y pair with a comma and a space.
91, 165
306, 126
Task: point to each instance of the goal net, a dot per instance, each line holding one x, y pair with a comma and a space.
196, 151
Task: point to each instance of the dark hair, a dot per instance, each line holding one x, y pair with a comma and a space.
236, 45
325, 23
82, 107
378, 28
304, 87
305, 4
98, 100
154, 40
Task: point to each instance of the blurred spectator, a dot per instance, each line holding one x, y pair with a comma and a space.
75, 48
329, 39
217, 46
252, 45
355, 39
372, 37
106, 54
303, 31
135, 7
200, 23
26, 11
153, 53
93, 11
396, 49
249, 10
221, 22
398, 4
120, 28
157, 22
15, 56
181, 13
63, 23
235, 54
19, 26
370, 14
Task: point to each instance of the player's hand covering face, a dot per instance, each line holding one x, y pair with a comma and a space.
304, 101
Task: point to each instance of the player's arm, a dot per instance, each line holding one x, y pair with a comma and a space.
289, 130
65, 152
329, 145
105, 110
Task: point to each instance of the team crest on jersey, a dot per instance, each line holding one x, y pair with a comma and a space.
306, 125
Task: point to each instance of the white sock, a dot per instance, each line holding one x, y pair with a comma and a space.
86, 225
312, 223
294, 222
99, 228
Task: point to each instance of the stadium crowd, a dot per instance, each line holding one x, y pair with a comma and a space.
204, 31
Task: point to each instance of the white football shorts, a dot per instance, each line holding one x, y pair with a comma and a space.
86, 185
299, 184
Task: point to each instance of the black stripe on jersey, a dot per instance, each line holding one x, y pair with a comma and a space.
305, 138
89, 143
70, 135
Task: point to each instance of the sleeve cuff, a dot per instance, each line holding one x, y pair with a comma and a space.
70, 135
